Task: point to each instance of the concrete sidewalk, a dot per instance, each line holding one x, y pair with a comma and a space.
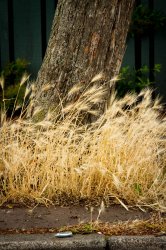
83, 242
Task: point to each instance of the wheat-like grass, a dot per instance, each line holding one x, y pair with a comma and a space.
119, 157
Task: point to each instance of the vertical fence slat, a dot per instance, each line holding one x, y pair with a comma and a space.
0, 57
137, 46
151, 47
43, 27
137, 51
11, 30
55, 3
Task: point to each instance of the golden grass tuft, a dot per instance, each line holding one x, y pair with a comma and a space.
121, 156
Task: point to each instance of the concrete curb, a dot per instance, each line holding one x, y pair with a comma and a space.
83, 242
137, 243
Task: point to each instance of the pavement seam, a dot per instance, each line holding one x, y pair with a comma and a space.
107, 243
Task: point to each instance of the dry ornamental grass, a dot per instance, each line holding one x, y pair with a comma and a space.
121, 156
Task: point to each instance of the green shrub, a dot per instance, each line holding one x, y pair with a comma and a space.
132, 80
12, 74
13, 71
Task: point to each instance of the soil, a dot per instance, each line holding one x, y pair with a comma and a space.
19, 219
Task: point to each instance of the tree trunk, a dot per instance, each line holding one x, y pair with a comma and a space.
87, 37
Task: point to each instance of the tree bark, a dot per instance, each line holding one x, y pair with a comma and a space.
87, 37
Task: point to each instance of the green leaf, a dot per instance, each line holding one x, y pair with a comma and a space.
137, 188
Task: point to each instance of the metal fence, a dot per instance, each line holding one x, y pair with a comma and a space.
25, 27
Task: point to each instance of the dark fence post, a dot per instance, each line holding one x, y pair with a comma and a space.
11, 30
151, 46
55, 3
138, 46
43, 27
0, 57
